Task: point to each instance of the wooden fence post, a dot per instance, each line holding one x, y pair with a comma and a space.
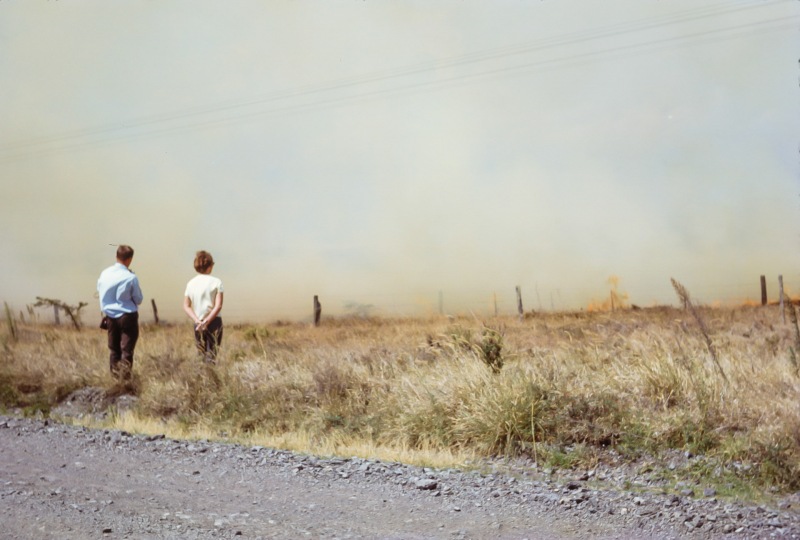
317, 310
519, 303
56, 315
155, 309
763, 290
780, 287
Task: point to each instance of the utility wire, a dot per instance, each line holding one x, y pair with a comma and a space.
633, 26
436, 85
491, 54
73, 140
522, 69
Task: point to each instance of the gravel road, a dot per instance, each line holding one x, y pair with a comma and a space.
60, 481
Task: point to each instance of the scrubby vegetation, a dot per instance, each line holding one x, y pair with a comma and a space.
566, 389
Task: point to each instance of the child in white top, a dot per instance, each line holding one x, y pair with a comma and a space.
202, 302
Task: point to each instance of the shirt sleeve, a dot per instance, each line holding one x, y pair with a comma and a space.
136, 292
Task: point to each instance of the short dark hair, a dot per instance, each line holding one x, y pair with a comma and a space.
124, 252
203, 261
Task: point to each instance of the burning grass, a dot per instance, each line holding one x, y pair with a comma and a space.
568, 389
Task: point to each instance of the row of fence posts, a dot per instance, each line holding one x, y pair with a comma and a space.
318, 306
521, 311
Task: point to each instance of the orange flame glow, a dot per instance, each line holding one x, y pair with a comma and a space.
615, 299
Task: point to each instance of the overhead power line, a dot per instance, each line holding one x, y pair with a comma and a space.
204, 116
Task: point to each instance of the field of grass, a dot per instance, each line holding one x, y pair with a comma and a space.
565, 389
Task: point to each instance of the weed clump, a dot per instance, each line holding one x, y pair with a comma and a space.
490, 348
487, 346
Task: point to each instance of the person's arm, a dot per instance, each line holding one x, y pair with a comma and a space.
187, 308
213, 313
136, 292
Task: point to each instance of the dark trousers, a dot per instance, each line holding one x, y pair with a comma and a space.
209, 340
123, 332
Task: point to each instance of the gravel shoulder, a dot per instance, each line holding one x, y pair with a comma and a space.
61, 481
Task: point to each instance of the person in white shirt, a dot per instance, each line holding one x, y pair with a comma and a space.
202, 302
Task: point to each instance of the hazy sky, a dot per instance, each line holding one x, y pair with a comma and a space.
386, 153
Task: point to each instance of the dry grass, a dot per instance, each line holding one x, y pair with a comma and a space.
561, 388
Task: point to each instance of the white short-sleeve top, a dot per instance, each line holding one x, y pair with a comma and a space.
202, 292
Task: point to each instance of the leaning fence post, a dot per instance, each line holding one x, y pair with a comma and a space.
317, 310
155, 309
519, 303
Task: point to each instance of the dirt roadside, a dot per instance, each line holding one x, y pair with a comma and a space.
59, 481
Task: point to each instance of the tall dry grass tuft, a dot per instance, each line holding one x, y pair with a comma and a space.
45, 365
686, 300
12, 326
